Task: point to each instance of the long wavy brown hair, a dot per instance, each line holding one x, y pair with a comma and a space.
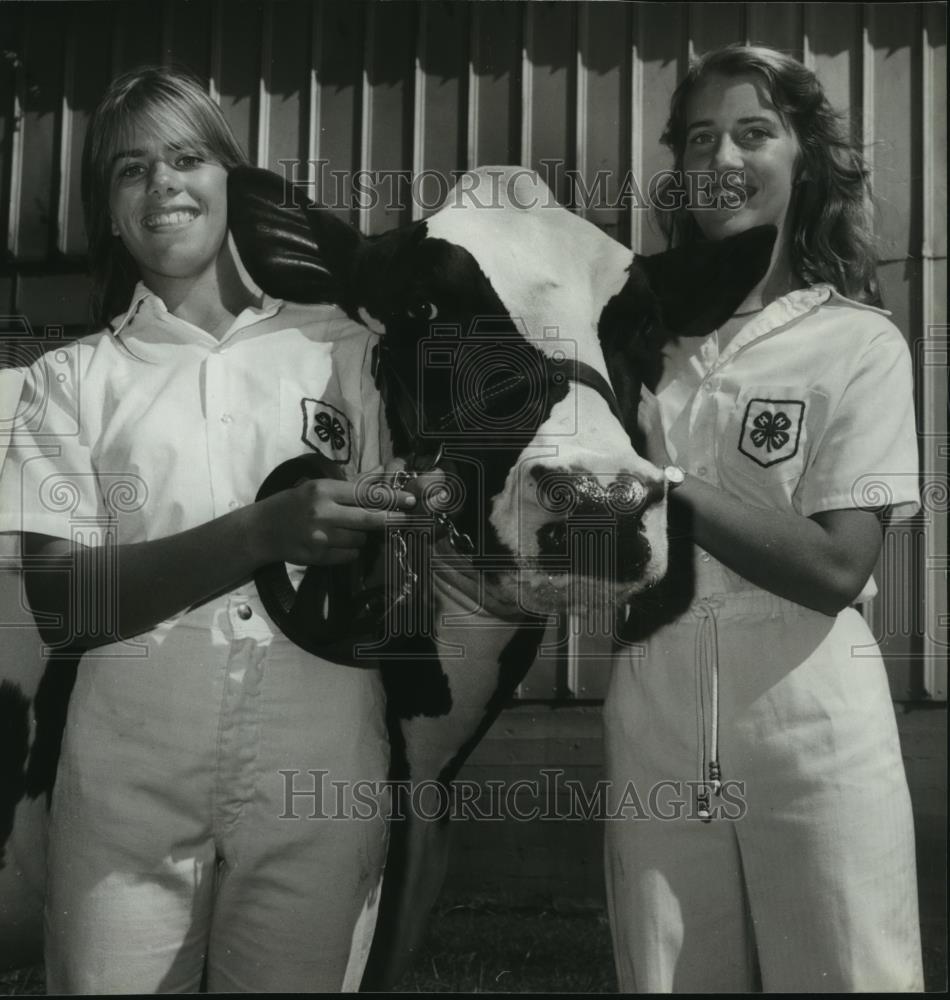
831, 237
162, 102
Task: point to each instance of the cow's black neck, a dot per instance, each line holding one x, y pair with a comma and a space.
631, 338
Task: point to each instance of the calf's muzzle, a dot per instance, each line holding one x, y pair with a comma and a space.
596, 529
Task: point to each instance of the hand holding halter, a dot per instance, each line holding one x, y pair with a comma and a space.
337, 609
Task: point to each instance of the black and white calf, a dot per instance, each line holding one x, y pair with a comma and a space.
514, 338
516, 335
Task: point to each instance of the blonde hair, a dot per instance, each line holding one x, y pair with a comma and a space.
163, 102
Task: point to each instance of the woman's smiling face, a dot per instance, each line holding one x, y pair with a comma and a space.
734, 131
169, 206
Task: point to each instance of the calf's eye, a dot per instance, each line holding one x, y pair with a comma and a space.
422, 310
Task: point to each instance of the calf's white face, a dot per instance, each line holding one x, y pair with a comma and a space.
554, 273
489, 311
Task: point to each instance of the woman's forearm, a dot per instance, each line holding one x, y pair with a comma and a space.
125, 590
107, 593
821, 562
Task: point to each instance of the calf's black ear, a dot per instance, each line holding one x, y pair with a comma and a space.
700, 285
272, 227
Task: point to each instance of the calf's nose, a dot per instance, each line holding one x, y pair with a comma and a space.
582, 494
596, 529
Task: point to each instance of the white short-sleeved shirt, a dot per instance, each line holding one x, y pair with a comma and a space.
809, 408
155, 426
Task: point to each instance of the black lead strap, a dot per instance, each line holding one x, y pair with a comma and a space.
557, 371
584, 374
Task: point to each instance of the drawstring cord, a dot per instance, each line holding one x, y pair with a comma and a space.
707, 677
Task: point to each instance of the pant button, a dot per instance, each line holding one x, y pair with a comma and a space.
244, 612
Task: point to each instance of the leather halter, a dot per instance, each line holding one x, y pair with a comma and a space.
334, 610
556, 371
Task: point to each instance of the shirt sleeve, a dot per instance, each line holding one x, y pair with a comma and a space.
867, 453
47, 481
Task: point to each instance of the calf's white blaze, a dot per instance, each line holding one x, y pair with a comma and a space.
556, 295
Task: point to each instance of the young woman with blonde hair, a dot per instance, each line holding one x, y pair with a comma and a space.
176, 859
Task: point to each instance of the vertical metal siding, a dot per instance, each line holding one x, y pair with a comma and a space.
9, 57
388, 106
441, 120
236, 68
660, 57
833, 47
495, 84
712, 25
932, 347
339, 61
324, 89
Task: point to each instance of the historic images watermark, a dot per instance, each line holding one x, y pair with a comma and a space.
312, 794
400, 190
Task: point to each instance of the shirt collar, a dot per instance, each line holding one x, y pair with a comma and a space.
252, 314
838, 297
779, 313
139, 294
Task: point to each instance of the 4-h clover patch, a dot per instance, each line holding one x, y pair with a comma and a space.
326, 429
771, 429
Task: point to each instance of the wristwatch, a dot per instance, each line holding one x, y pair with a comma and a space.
674, 477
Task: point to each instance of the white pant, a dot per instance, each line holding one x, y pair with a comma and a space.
177, 848
811, 885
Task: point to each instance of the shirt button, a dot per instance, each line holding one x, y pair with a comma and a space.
226, 418
244, 612
702, 470
233, 505
704, 557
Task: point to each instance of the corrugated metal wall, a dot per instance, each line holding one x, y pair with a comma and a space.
438, 86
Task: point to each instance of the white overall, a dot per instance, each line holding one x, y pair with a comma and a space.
804, 878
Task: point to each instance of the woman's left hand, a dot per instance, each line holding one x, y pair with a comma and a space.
651, 426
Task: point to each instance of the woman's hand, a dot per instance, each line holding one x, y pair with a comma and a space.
651, 426
321, 522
